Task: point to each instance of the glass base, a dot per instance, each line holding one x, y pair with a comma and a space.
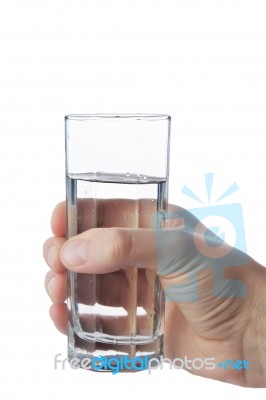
97, 356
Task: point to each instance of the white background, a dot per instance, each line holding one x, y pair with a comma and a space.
202, 62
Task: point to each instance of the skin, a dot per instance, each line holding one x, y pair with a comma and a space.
217, 326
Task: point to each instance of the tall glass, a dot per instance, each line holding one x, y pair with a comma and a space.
117, 169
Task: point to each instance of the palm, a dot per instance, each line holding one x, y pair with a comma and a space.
190, 332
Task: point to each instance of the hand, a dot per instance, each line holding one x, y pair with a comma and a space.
212, 310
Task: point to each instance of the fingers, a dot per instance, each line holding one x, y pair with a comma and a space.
55, 280
104, 250
109, 213
106, 213
113, 289
55, 285
124, 213
58, 220
58, 314
51, 253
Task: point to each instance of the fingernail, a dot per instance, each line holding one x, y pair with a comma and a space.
51, 286
74, 252
51, 256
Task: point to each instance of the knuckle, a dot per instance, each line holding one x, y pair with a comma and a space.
121, 244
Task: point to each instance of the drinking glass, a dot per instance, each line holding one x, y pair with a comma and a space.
117, 169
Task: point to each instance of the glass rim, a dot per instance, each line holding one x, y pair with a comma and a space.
136, 116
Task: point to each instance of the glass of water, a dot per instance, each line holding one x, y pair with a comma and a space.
117, 169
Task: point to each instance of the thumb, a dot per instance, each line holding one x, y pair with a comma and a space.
103, 250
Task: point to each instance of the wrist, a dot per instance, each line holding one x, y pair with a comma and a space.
254, 338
